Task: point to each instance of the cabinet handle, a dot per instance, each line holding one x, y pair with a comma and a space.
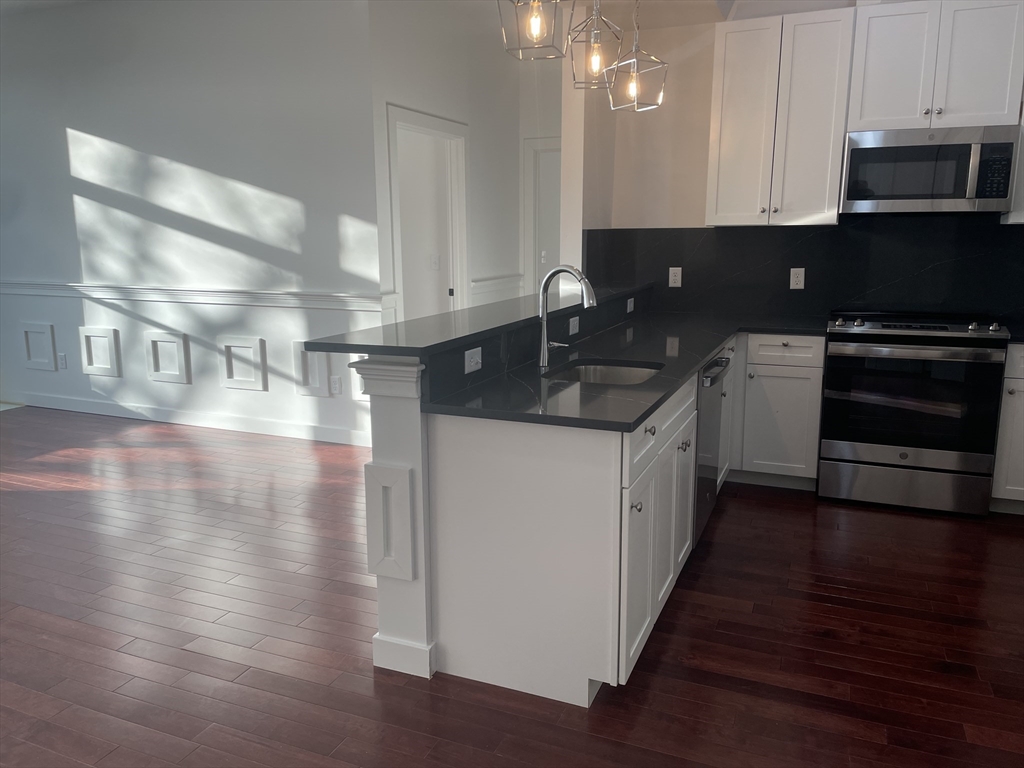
651, 430
638, 507
763, 209
1011, 391
938, 110
927, 111
775, 209
750, 375
724, 393
684, 445
732, 349
785, 343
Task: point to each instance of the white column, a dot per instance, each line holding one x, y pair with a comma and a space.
397, 515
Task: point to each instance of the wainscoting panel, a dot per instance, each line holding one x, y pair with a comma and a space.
39, 347
101, 351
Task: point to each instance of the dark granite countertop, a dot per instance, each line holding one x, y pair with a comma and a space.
683, 342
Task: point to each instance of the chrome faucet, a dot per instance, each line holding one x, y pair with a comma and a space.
589, 302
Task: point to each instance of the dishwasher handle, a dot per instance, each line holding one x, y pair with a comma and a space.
714, 371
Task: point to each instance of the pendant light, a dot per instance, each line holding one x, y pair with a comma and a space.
535, 29
637, 78
593, 43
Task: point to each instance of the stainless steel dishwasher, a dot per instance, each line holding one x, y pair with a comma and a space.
709, 440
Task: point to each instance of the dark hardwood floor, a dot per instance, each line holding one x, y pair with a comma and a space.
182, 596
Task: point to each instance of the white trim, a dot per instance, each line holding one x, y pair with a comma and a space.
180, 341
312, 371
232, 296
218, 420
389, 521
532, 150
456, 136
491, 289
112, 339
258, 347
403, 656
39, 363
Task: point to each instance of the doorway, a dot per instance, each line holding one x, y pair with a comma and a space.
428, 212
542, 170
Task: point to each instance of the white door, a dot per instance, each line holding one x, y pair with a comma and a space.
1008, 479
743, 96
894, 66
664, 521
980, 65
686, 458
542, 171
810, 128
780, 420
725, 441
636, 592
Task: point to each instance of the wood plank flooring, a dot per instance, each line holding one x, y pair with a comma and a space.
191, 597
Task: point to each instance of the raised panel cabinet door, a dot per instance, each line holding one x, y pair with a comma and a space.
781, 416
980, 65
894, 50
810, 127
1008, 479
686, 469
725, 441
664, 521
744, 91
636, 592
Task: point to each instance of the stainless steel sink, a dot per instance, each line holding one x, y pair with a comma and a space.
610, 372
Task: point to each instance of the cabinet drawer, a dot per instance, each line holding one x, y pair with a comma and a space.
774, 349
640, 446
1014, 362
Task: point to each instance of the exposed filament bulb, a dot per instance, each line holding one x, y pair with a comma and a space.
535, 29
632, 87
596, 64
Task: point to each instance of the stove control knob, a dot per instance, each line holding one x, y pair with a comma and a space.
858, 323
994, 327
973, 326
840, 322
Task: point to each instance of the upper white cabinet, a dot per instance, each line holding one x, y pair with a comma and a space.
947, 64
778, 116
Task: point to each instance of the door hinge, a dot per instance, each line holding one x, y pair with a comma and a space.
451, 291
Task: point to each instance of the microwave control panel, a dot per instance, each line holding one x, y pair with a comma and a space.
994, 170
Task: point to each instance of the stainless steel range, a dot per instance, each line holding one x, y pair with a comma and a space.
910, 411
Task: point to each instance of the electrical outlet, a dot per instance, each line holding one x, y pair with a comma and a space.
629, 306
574, 326
675, 277
335, 385
62, 360
629, 335
474, 359
672, 346
796, 279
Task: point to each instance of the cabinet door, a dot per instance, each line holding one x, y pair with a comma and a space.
781, 415
664, 521
744, 91
980, 66
686, 472
1008, 480
894, 53
725, 441
636, 592
810, 128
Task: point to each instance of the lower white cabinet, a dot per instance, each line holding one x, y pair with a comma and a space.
1008, 478
781, 413
725, 439
686, 476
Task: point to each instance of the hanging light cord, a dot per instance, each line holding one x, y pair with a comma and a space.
636, 24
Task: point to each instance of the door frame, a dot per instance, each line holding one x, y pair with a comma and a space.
532, 150
455, 136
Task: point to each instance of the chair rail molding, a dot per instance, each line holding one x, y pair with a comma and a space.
226, 296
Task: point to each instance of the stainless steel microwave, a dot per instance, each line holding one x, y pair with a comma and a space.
920, 170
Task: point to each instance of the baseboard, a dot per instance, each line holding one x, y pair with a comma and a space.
403, 656
227, 421
773, 481
1007, 506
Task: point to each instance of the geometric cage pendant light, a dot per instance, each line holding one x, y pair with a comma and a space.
593, 44
637, 78
535, 29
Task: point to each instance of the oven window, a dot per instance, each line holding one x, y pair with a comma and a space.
909, 173
938, 404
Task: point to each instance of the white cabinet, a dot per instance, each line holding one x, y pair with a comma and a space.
664, 566
778, 117
780, 419
686, 467
725, 439
1008, 478
948, 64
636, 595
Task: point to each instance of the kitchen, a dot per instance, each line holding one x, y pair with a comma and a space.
512, 383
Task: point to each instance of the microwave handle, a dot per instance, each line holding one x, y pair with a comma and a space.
972, 171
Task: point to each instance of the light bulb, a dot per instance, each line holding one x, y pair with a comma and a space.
596, 65
632, 86
535, 28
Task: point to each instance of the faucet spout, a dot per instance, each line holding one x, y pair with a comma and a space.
589, 302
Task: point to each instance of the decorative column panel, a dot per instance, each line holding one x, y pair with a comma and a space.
397, 515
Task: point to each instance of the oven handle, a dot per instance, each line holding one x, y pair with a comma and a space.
972, 171
910, 352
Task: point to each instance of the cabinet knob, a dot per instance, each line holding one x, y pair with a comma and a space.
651, 430
763, 209
724, 393
927, 111
638, 507
1011, 391
938, 110
732, 349
750, 375
785, 343
775, 209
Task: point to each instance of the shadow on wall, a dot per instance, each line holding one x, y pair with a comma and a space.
148, 221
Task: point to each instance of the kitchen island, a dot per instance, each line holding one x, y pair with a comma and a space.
527, 529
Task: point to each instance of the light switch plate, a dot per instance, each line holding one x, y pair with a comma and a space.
474, 359
629, 305
675, 277
796, 279
574, 326
62, 360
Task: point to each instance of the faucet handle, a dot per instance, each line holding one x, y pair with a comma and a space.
553, 344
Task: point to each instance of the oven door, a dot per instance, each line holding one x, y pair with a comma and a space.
928, 406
